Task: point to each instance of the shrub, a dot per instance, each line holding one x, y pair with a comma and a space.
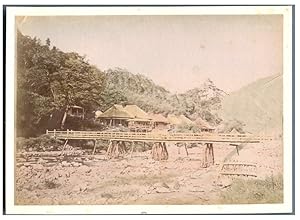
41, 143
269, 190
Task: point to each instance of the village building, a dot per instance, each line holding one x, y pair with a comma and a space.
203, 125
176, 121
234, 131
159, 122
115, 116
140, 121
75, 111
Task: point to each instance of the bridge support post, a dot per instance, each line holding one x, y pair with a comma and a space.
115, 149
159, 151
132, 148
209, 157
186, 150
66, 142
95, 145
179, 145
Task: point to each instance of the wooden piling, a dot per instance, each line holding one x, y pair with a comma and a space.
95, 143
159, 151
116, 149
209, 157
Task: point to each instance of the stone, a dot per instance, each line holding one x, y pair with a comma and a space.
176, 186
65, 164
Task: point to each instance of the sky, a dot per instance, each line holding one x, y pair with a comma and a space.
177, 52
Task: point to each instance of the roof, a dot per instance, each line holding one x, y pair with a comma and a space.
116, 111
185, 120
203, 124
98, 113
173, 119
159, 118
75, 106
136, 111
234, 131
139, 119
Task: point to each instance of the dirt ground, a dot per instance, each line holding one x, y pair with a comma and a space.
139, 179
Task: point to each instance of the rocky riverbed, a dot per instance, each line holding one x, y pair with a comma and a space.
139, 179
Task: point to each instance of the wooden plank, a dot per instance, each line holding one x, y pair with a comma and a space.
238, 174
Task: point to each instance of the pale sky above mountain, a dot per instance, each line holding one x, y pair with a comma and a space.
177, 52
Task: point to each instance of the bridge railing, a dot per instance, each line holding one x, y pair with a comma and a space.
109, 135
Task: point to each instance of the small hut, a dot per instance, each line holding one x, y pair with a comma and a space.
204, 126
234, 131
159, 122
115, 116
75, 111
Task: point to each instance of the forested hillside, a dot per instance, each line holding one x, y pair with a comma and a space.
49, 79
137, 89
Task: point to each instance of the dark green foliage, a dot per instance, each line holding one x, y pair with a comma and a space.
42, 143
136, 89
269, 190
126, 88
49, 79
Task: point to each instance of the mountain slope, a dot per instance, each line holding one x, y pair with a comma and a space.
258, 105
137, 89
204, 101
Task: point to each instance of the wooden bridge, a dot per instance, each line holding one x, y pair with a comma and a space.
117, 141
158, 137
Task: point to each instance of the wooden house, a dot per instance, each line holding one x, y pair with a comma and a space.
176, 121
204, 126
75, 111
140, 121
234, 131
159, 122
115, 116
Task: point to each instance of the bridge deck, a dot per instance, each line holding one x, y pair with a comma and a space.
158, 137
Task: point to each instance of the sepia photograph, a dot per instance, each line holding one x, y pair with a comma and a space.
151, 106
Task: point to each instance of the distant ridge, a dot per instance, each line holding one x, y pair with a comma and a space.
258, 105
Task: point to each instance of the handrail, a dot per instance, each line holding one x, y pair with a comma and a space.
109, 135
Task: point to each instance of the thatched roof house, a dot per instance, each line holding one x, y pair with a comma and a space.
117, 112
203, 125
159, 121
234, 131
178, 120
141, 121
159, 118
115, 115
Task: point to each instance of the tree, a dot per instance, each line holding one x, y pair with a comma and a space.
49, 79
